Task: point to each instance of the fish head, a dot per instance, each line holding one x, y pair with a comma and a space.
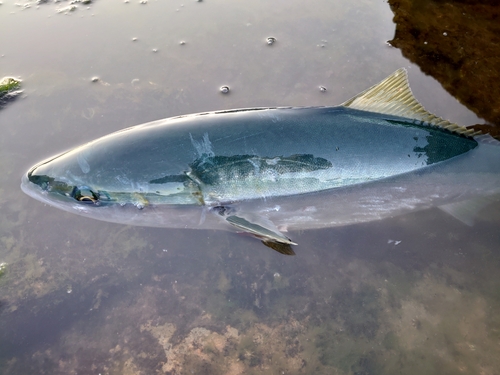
60, 181
107, 176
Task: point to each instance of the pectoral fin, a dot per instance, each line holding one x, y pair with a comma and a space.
263, 229
282, 248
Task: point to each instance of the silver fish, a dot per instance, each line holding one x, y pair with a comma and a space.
266, 171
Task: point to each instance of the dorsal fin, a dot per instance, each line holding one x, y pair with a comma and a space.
393, 96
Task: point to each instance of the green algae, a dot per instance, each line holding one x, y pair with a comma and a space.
10, 88
8, 85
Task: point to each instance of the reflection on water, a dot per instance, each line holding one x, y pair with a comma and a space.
414, 294
456, 42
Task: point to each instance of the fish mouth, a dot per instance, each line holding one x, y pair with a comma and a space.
31, 184
28, 187
53, 199
34, 190
35, 185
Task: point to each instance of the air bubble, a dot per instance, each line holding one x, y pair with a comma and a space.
182, 42
224, 89
322, 88
270, 40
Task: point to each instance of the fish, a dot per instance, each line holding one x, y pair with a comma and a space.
269, 171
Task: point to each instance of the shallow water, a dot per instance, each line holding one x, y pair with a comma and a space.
414, 294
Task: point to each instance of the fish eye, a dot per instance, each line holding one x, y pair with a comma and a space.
85, 195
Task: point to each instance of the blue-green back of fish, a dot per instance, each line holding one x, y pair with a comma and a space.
256, 153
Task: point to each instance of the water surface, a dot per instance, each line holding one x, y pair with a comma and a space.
413, 294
